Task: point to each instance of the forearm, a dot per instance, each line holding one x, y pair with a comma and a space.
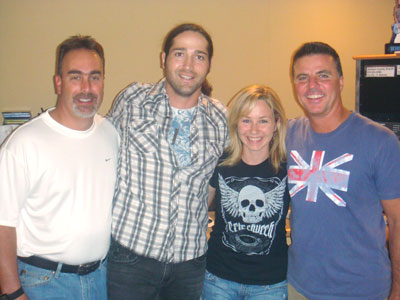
392, 211
211, 195
9, 280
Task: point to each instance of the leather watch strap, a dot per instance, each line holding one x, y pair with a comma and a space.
14, 295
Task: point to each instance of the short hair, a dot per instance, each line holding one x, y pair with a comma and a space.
313, 48
241, 105
167, 44
78, 42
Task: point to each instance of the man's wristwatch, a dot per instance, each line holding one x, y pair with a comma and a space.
13, 295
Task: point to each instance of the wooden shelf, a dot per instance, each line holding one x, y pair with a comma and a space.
377, 56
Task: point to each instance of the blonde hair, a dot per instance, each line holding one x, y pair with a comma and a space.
241, 105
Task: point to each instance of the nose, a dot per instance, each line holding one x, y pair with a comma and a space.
85, 84
254, 127
187, 62
313, 81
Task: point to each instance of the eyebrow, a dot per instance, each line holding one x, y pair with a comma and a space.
184, 49
80, 72
202, 52
324, 71
301, 74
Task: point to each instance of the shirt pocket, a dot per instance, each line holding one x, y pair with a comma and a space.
213, 151
199, 173
211, 157
143, 136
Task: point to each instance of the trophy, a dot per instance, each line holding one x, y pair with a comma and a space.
394, 45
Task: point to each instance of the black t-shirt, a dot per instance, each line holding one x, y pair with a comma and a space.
248, 241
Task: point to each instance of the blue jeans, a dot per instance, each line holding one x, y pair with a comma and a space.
216, 288
134, 277
42, 284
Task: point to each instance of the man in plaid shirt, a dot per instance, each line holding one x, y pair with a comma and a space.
172, 135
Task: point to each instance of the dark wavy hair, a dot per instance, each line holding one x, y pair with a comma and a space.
187, 27
206, 87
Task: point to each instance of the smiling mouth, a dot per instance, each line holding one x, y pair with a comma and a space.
186, 77
314, 97
82, 98
254, 139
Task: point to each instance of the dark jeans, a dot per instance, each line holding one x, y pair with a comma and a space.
134, 277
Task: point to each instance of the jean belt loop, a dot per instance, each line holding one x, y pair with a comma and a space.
58, 271
103, 262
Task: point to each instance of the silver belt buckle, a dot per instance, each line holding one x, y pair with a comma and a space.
88, 268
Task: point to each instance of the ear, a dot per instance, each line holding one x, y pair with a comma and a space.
57, 84
163, 57
341, 81
277, 124
209, 65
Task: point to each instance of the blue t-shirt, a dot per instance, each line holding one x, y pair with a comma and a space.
336, 181
179, 134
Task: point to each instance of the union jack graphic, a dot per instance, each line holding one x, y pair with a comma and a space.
317, 176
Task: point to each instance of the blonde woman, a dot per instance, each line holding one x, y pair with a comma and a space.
247, 254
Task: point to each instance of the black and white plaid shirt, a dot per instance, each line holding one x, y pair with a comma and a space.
160, 207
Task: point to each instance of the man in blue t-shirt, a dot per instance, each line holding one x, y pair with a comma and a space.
343, 174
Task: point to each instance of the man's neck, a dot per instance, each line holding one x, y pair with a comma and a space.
329, 123
81, 124
182, 102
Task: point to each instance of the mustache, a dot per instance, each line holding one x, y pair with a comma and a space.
90, 96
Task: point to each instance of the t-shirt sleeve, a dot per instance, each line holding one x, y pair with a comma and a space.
115, 116
387, 166
13, 186
214, 178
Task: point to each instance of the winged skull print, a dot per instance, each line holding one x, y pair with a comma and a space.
251, 203
251, 216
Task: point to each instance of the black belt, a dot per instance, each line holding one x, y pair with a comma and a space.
44, 263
